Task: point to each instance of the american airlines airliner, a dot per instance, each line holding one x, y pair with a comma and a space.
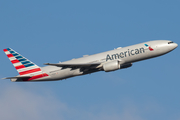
120, 58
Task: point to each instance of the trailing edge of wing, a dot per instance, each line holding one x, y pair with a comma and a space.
17, 77
73, 65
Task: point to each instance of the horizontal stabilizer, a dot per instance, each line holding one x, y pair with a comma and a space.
17, 77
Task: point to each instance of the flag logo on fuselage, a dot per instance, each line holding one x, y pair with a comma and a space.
150, 48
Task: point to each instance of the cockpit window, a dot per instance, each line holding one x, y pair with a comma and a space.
170, 42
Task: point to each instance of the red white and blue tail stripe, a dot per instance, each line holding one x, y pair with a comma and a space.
24, 66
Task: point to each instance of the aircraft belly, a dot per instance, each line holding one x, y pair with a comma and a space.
65, 73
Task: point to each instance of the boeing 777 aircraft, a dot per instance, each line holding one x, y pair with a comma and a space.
119, 58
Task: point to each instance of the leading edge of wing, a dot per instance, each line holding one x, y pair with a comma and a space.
73, 65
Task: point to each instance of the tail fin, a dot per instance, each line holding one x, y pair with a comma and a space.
22, 65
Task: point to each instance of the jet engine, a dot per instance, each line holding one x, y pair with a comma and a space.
111, 66
115, 65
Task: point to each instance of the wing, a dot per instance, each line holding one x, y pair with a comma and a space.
81, 65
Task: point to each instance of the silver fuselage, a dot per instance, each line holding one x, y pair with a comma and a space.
125, 55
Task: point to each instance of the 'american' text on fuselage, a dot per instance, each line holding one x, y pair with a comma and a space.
125, 54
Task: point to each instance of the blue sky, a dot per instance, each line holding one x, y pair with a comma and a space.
52, 31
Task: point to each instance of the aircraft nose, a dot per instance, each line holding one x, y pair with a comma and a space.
176, 45
173, 46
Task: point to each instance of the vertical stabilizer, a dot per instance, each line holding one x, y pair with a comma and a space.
24, 66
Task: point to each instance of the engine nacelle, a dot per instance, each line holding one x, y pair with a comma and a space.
115, 65
111, 66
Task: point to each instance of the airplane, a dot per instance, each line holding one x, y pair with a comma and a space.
120, 58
